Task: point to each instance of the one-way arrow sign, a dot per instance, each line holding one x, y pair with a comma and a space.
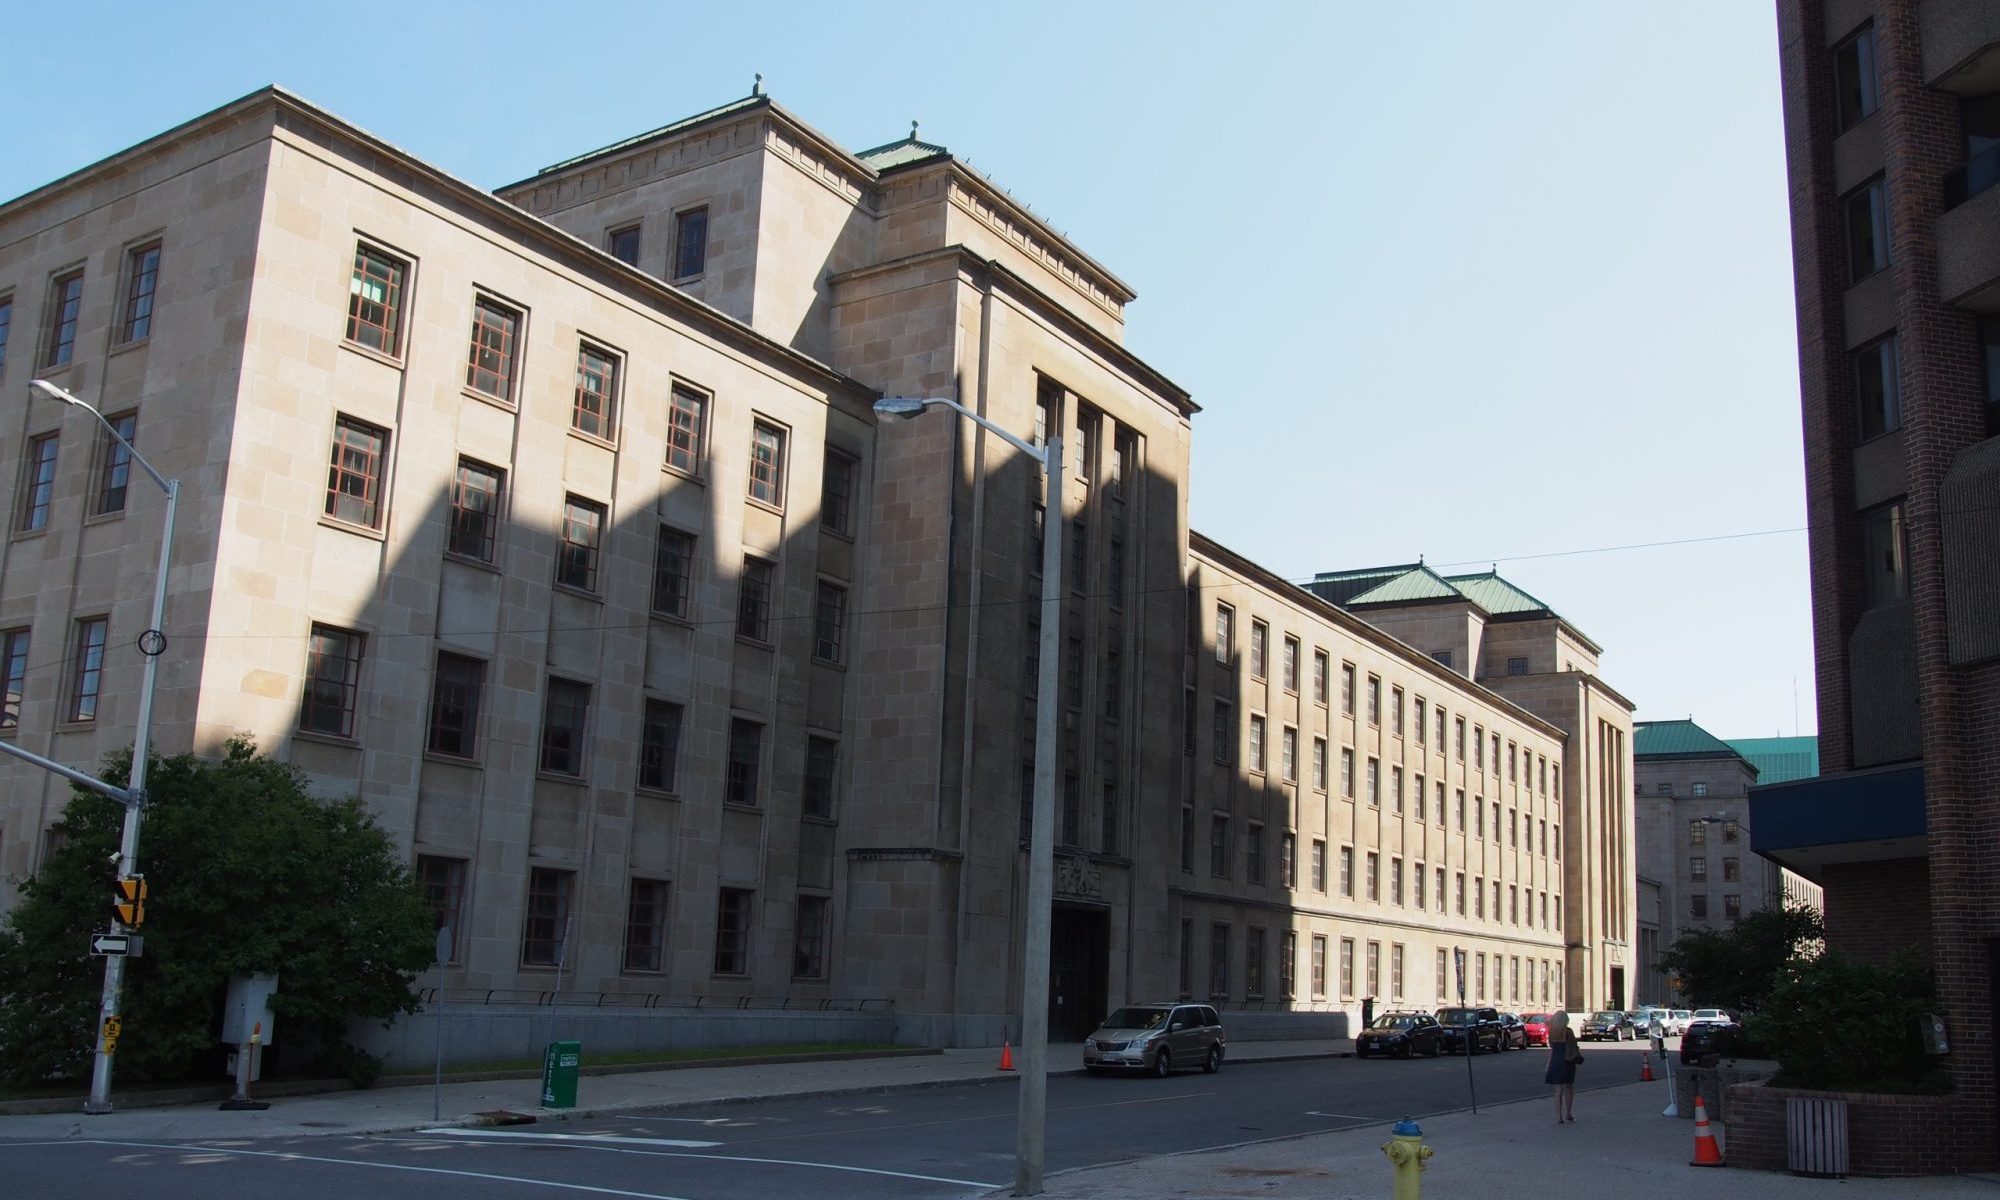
110, 943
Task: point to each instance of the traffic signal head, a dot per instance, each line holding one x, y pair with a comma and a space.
131, 902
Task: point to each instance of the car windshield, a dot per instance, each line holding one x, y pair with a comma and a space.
1457, 1016
1402, 1022
1535, 1018
1137, 1018
1606, 1016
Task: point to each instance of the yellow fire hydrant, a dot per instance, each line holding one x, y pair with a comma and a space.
1406, 1155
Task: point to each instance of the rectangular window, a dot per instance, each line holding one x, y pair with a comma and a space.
1877, 388
1374, 700
1257, 742
646, 925
456, 689
1112, 684
673, 572
1443, 973
1419, 798
1288, 954
1187, 834
687, 411
1479, 975
65, 302
1107, 818
660, 746
767, 464
1288, 753
809, 939
1732, 870
595, 411
1513, 904
1458, 891
565, 714
1347, 688
443, 884
1218, 846
1225, 634
1319, 966
1290, 666
1865, 212
1479, 898
1517, 666
1479, 748
746, 756
1319, 764
1396, 970
753, 600
1459, 793
1253, 859
582, 539
142, 277
1884, 547
1225, 732
1320, 666
816, 799
474, 531
1218, 960
1374, 876
624, 244
6, 328
1260, 648
1374, 968
1439, 891
38, 483
1854, 81
1347, 966
1698, 906
1396, 790
1347, 772
690, 242
1698, 868
1187, 957
13, 676
732, 931
1319, 866
1374, 782
354, 473
1396, 881
1396, 712
829, 621
836, 498
1347, 871
545, 932
1700, 788
333, 680
1458, 736
1417, 887
375, 301
1418, 714
1731, 831
1732, 906
489, 359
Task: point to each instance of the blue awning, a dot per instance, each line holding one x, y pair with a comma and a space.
1855, 816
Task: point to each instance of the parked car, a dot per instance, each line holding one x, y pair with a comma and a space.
1609, 1026
1682, 1019
1700, 1038
1157, 1038
1513, 1032
1401, 1035
1535, 1027
1469, 1030
1712, 1014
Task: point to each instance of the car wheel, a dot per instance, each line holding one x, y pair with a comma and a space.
1214, 1061
1403, 1051
1163, 1063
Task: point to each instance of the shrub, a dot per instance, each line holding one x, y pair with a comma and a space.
1840, 1025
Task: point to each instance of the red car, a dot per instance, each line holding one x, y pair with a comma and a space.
1537, 1027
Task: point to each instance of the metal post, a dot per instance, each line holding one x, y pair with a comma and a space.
152, 643
1031, 1123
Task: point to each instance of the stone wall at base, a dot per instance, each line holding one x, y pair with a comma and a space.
1888, 1136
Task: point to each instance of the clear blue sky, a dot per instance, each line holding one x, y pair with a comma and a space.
1481, 282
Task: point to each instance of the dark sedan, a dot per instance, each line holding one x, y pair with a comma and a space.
1513, 1032
1400, 1035
1469, 1030
1609, 1026
1700, 1037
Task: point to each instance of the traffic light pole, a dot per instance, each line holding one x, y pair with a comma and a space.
151, 644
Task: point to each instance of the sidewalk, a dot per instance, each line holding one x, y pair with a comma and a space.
1620, 1145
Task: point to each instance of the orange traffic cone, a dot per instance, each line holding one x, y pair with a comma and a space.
1705, 1152
1646, 1069
1006, 1055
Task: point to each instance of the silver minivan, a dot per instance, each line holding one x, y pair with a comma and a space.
1157, 1038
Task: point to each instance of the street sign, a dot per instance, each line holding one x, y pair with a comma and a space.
131, 902
102, 944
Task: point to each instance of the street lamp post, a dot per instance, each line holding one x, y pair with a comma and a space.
1031, 1124
152, 643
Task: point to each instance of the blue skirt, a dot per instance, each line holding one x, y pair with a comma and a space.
1561, 1069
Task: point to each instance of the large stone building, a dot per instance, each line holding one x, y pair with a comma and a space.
1692, 790
556, 523
1892, 134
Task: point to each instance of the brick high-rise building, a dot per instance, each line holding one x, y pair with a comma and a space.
1892, 131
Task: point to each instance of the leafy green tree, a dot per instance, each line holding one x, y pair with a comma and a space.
1838, 1024
246, 872
1736, 968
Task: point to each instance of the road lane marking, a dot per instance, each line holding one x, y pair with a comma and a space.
612, 1145
382, 1166
1340, 1116
570, 1137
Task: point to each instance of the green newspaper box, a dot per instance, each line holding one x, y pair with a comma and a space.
560, 1065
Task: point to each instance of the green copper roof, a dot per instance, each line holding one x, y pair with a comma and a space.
1421, 583
899, 154
1677, 739
1496, 595
751, 101
1780, 759
1341, 587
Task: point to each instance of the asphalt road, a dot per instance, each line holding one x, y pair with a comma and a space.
955, 1141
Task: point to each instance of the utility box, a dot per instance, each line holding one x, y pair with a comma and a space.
247, 1011
561, 1064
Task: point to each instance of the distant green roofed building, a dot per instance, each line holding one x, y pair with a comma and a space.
1663, 740
1780, 759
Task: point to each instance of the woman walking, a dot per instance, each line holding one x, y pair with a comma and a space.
1564, 1054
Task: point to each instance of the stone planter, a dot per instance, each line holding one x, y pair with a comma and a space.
1712, 1081
1887, 1136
